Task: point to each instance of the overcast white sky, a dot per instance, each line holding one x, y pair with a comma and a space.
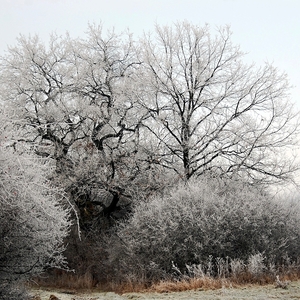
269, 30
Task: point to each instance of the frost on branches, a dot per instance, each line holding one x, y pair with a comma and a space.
122, 117
33, 223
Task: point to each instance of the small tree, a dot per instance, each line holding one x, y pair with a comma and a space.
33, 221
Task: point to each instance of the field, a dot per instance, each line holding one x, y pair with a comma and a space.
249, 292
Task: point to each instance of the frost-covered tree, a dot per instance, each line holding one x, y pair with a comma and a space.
212, 111
115, 114
33, 219
77, 103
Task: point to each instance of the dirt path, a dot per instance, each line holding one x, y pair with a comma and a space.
268, 292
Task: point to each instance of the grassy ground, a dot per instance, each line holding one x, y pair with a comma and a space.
249, 292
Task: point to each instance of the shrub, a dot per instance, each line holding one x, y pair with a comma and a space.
33, 221
204, 222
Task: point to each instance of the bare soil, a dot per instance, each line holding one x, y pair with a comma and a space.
256, 292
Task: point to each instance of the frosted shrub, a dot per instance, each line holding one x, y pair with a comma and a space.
256, 264
33, 222
200, 221
221, 266
195, 271
237, 267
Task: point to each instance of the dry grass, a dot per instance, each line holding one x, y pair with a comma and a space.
71, 281
66, 280
204, 283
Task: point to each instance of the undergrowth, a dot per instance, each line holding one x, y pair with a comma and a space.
205, 234
192, 279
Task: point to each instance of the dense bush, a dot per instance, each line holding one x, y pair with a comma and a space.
201, 222
33, 221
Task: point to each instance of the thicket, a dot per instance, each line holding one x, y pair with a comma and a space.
33, 222
208, 226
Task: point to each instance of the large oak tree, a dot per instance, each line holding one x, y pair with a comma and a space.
76, 101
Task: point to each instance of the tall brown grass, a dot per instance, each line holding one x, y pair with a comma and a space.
65, 280
228, 274
71, 281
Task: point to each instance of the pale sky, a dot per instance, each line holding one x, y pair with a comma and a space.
268, 30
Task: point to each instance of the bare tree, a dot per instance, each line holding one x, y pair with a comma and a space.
214, 113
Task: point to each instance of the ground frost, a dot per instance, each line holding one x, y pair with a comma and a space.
254, 292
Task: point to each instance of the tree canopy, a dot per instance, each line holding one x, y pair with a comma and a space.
121, 117
212, 111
